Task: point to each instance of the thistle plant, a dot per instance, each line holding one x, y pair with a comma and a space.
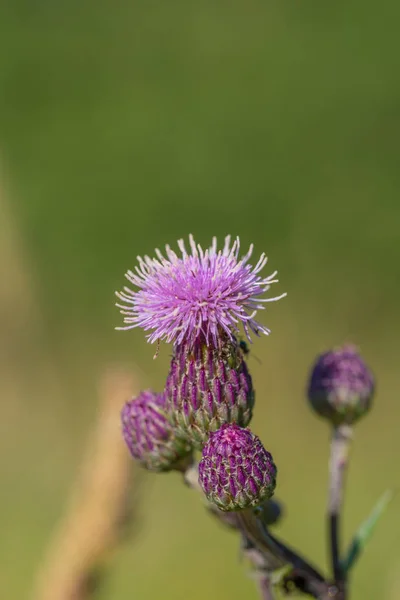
201, 302
197, 302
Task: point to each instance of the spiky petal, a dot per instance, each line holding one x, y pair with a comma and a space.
235, 471
207, 387
149, 435
202, 292
341, 386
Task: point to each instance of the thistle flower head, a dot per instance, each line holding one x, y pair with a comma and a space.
149, 435
341, 386
200, 292
208, 386
235, 471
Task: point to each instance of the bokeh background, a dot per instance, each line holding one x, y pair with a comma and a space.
125, 126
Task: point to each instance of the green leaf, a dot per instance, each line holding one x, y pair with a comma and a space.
365, 531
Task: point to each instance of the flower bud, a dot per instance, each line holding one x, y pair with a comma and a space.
150, 436
208, 386
341, 386
235, 471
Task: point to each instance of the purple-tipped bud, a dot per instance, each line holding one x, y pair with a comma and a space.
149, 435
341, 386
236, 471
208, 386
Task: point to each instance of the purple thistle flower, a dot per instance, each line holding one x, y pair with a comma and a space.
235, 471
202, 292
208, 386
149, 435
341, 386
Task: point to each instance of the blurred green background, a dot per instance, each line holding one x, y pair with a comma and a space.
125, 126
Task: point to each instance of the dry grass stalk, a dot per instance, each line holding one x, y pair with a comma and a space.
100, 507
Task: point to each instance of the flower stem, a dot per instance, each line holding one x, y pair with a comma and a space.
266, 553
265, 587
339, 458
278, 552
262, 567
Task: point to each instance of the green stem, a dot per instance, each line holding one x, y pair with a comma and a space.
275, 551
265, 587
339, 458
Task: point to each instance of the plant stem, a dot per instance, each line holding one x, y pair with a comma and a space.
339, 458
265, 587
262, 569
257, 559
255, 530
266, 553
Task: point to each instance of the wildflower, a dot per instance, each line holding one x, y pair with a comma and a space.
235, 471
341, 386
206, 293
149, 435
197, 302
208, 386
